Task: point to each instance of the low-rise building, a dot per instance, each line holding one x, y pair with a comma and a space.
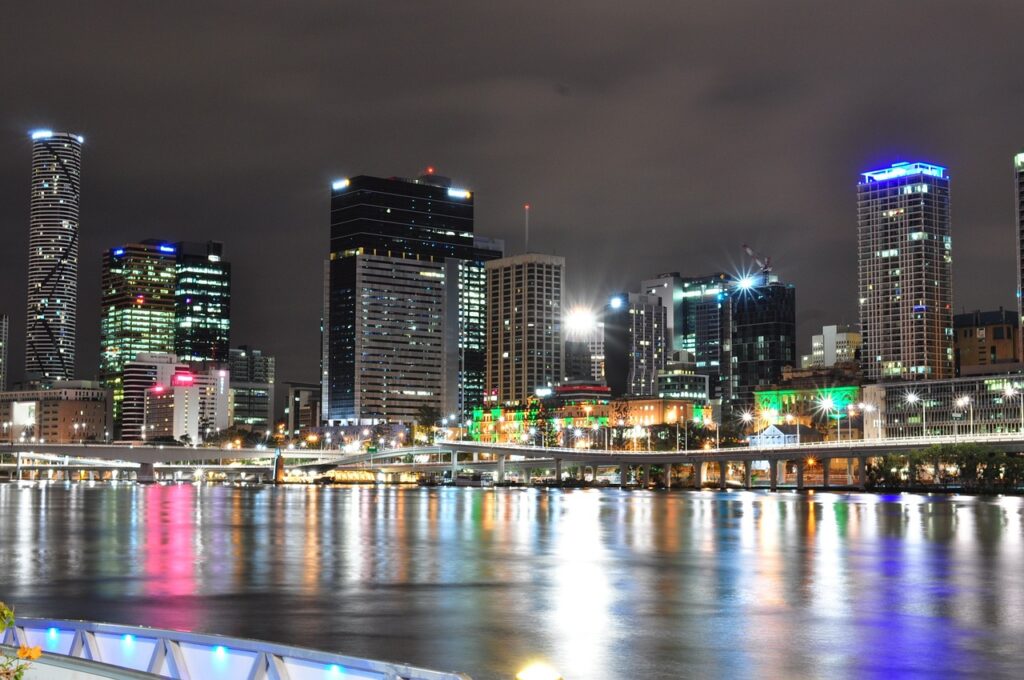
62, 412
986, 342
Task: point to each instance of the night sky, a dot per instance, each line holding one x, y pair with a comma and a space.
648, 137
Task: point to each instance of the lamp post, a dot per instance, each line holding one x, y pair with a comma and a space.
828, 405
1012, 392
747, 417
912, 399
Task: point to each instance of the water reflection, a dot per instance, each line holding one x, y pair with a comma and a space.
601, 584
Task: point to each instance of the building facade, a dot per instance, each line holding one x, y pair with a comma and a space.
252, 388
525, 341
958, 407
202, 303
761, 319
905, 272
137, 309
635, 341
834, 345
50, 330
65, 412
403, 317
986, 341
5, 334
702, 317
302, 411
138, 375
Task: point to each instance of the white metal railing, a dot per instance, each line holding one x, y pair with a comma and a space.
196, 656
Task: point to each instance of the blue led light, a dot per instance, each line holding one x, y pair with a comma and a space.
118, 252
128, 639
615, 302
904, 170
42, 134
334, 669
52, 633
166, 249
219, 650
340, 184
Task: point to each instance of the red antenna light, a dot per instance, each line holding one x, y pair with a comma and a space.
430, 169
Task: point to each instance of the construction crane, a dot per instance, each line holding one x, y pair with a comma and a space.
765, 263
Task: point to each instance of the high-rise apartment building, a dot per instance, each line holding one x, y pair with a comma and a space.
137, 376
635, 342
905, 272
5, 333
202, 303
252, 388
525, 343
669, 288
137, 313
53, 255
404, 298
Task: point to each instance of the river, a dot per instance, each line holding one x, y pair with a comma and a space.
598, 583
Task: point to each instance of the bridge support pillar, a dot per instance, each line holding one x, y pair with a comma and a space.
647, 476
698, 476
501, 469
455, 465
146, 473
800, 475
826, 463
862, 472
748, 474
773, 475
723, 474
849, 472
558, 472
668, 476
17, 466
593, 473
623, 475
279, 469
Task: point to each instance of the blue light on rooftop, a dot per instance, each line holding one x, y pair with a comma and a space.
340, 184
166, 249
615, 302
118, 252
458, 193
42, 134
898, 170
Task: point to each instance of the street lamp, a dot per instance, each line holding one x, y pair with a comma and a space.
1012, 392
912, 399
828, 405
965, 401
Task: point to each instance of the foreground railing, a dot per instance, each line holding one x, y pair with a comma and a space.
195, 656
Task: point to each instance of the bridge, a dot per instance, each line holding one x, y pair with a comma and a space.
797, 460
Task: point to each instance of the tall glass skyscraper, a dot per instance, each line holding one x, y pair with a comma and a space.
905, 272
1018, 171
404, 300
5, 329
202, 303
137, 314
53, 255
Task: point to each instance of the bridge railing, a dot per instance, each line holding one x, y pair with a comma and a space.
196, 656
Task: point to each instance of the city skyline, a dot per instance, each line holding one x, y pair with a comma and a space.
677, 191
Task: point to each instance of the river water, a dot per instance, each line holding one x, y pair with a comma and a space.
598, 583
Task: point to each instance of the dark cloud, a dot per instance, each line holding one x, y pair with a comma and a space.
648, 137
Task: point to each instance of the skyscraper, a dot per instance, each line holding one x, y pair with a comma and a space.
635, 342
404, 300
761, 317
202, 303
5, 330
53, 255
137, 313
905, 272
525, 343
1018, 171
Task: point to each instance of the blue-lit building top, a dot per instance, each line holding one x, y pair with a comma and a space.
904, 169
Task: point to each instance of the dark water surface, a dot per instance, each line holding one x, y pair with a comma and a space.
601, 584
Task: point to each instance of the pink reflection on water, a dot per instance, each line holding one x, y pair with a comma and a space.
169, 561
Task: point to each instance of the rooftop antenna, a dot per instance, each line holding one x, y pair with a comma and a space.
526, 215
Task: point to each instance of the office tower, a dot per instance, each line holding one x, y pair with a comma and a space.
669, 287
834, 345
635, 342
252, 388
525, 344
137, 376
700, 320
303, 410
905, 272
761, 318
53, 255
5, 330
584, 346
202, 303
191, 408
986, 342
137, 313
1018, 171
403, 318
